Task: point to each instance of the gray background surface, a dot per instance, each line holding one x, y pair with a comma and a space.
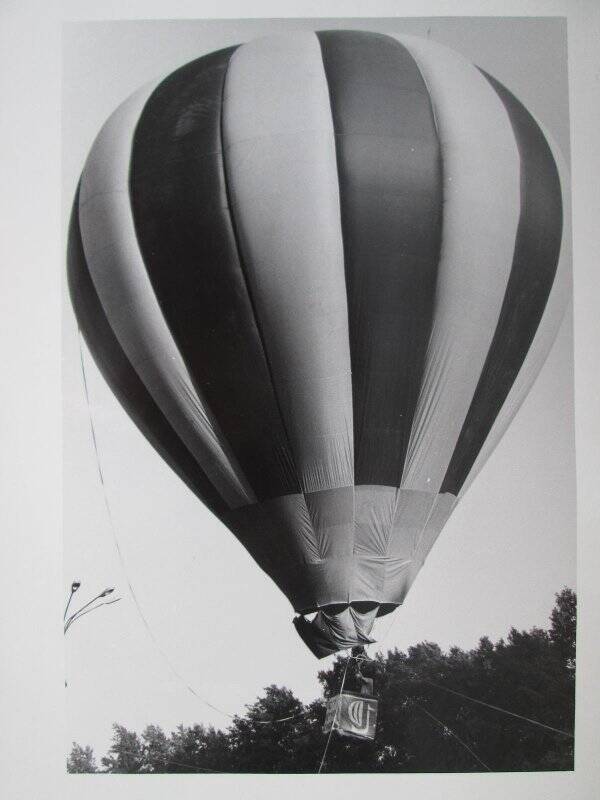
34, 731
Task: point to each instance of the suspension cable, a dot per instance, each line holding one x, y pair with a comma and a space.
134, 597
502, 710
449, 730
168, 660
168, 760
415, 675
334, 719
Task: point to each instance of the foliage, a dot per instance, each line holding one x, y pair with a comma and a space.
426, 721
563, 629
81, 759
126, 753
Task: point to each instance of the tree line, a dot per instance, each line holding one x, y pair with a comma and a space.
429, 720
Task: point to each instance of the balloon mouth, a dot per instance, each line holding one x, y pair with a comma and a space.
339, 627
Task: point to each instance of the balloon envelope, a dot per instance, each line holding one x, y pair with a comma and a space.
321, 272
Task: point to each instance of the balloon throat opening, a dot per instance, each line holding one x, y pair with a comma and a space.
339, 627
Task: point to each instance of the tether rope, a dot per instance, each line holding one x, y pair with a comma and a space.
415, 675
169, 761
334, 720
168, 660
125, 572
502, 710
447, 728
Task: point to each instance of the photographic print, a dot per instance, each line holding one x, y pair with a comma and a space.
318, 416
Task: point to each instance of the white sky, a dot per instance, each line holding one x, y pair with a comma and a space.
226, 628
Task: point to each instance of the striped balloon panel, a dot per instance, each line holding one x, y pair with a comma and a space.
320, 273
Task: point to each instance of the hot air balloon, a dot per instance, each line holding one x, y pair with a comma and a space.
321, 271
